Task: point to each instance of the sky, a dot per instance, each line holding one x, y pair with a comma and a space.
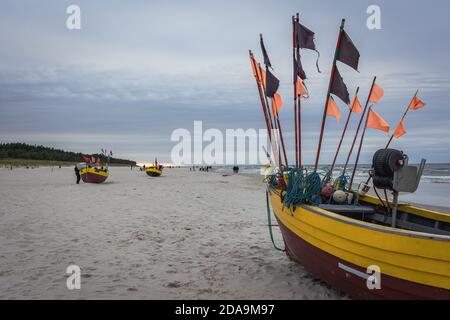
137, 70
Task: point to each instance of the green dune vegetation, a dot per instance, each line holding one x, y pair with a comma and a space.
22, 154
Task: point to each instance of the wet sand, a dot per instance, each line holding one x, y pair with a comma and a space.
185, 235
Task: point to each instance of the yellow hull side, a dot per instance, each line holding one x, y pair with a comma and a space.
411, 256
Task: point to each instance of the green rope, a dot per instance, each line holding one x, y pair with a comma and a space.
269, 221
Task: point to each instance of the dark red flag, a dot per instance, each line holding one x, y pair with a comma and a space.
348, 53
338, 87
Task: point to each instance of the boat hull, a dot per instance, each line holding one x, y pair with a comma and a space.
349, 278
153, 172
342, 258
93, 175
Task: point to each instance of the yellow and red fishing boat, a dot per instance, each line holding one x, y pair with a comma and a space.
94, 174
154, 171
341, 243
92, 170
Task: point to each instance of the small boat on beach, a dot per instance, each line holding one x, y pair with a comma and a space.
93, 174
339, 243
92, 169
154, 169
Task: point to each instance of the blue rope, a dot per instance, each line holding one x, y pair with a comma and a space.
302, 187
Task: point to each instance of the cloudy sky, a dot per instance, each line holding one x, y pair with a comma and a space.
137, 70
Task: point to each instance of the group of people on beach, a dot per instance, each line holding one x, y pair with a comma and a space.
202, 168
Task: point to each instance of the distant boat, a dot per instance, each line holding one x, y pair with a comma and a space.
92, 170
92, 174
154, 170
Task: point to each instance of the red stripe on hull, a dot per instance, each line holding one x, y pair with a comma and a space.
325, 266
93, 178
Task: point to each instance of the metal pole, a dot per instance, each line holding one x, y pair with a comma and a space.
394, 209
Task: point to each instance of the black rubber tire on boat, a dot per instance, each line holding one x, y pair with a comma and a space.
386, 161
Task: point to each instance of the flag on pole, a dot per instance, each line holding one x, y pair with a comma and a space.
86, 159
399, 130
300, 90
333, 109
416, 103
356, 106
348, 53
376, 94
277, 103
375, 121
264, 52
272, 84
304, 39
338, 87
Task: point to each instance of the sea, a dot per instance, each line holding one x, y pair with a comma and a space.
434, 187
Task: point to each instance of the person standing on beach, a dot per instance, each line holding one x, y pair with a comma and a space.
77, 173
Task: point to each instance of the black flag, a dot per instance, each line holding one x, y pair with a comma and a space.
272, 84
304, 39
264, 52
339, 88
298, 70
348, 53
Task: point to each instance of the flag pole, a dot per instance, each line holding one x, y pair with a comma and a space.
359, 148
281, 137
266, 110
268, 125
359, 127
343, 133
295, 92
299, 123
401, 119
333, 69
276, 121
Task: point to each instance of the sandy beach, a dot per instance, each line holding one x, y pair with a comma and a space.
185, 235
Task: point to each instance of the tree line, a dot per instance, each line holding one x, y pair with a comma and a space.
38, 152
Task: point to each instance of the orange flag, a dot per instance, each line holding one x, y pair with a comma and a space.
377, 94
333, 109
375, 121
399, 130
277, 103
416, 103
356, 106
300, 89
